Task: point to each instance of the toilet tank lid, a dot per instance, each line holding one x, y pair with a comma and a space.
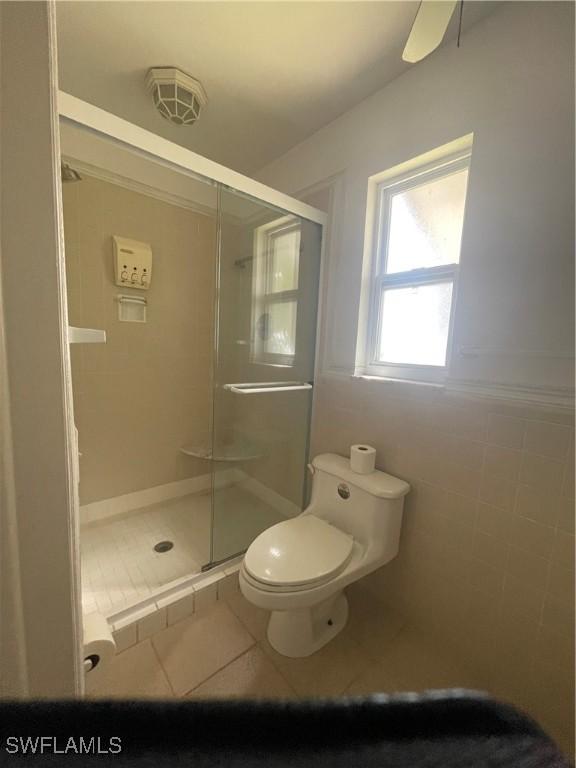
377, 483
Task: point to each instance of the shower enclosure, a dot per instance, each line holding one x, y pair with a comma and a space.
193, 416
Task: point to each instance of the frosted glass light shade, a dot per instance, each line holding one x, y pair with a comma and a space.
178, 96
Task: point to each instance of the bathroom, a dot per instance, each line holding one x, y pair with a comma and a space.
186, 417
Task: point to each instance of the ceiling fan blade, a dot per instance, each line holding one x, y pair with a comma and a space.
428, 29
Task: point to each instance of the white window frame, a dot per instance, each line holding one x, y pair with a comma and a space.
379, 280
262, 296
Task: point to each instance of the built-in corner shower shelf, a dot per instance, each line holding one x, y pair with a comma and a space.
226, 453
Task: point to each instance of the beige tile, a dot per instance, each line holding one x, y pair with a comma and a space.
516, 634
371, 623
518, 597
196, 648
251, 676
125, 637
494, 521
458, 539
531, 569
460, 508
328, 672
412, 663
558, 615
563, 549
469, 453
151, 624
461, 479
502, 462
505, 430
490, 549
498, 492
533, 537
133, 674
568, 480
253, 618
206, 595
552, 702
228, 585
542, 472
547, 439
486, 577
482, 611
555, 648
561, 583
566, 516
538, 505
180, 609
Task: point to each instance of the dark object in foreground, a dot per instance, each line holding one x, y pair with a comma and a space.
447, 729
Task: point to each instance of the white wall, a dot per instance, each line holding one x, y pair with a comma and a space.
511, 84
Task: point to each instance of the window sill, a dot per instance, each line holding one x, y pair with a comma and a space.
396, 380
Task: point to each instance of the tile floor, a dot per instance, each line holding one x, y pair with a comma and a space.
120, 567
223, 652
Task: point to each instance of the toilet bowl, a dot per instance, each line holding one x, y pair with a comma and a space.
298, 569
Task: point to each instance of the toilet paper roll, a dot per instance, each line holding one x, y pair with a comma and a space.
362, 459
99, 648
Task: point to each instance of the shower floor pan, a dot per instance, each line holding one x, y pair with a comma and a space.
121, 567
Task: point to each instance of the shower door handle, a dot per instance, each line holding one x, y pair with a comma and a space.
257, 388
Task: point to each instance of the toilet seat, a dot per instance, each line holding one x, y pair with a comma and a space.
298, 552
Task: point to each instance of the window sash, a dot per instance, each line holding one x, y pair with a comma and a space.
410, 278
262, 295
387, 191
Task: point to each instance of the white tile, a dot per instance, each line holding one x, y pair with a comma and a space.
180, 608
126, 618
152, 624
125, 637
228, 585
206, 595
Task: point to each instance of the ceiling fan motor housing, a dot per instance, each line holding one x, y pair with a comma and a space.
178, 96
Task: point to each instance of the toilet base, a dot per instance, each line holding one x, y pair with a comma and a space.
304, 631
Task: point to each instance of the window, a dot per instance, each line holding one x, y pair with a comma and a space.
275, 292
417, 233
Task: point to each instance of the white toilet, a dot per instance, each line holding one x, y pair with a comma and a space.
298, 569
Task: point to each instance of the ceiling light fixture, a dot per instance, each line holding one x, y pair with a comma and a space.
178, 96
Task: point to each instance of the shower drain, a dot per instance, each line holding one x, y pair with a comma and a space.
163, 546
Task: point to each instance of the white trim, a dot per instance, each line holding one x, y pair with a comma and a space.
558, 398
553, 397
156, 147
432, 164
263, 297
525, 353
380, 280
44, 449
102, 174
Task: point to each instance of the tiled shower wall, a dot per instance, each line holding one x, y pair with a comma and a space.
147, 391
486, 559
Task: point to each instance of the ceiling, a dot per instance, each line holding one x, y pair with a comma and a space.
275, 72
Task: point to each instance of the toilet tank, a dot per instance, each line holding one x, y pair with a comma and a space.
369, 507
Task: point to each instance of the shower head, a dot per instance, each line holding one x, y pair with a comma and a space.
69, 174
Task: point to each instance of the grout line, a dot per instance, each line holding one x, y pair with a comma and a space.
159, 660
239, 656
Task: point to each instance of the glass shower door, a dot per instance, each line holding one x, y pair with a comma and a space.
269, 264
